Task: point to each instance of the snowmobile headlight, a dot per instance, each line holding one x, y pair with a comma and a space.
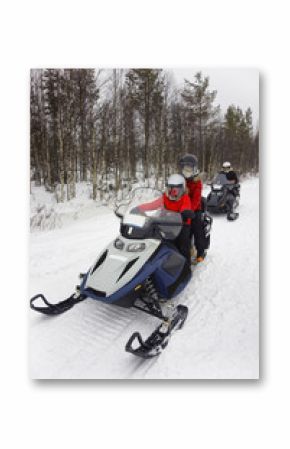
136, 247
119, 244
217, 186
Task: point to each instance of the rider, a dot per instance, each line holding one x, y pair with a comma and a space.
232, 177
176, 199
229, 172
189, 169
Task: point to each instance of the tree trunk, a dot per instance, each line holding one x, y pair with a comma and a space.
61, 156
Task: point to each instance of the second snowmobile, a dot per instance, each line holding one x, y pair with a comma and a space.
141, 268
224, 197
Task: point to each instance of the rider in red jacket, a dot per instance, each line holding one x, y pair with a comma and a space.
172, 200
176, 199
189, 169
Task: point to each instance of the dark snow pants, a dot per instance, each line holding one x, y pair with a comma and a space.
230, 202
231, 197
197, 231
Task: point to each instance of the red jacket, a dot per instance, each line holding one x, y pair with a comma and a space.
194, 193
176, 206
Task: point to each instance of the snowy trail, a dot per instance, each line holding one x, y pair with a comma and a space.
218, 341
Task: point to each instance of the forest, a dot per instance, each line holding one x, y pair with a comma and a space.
112, 128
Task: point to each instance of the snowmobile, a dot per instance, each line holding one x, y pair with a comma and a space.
217, 199
141, 268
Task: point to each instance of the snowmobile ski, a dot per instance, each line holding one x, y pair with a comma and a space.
58, 308
159, 339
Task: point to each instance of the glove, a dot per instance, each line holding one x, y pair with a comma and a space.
186, 214
136, 210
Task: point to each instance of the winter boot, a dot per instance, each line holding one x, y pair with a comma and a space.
231, 216
199, 258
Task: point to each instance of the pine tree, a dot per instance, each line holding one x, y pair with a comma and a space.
198, 100
146, 87
101, 131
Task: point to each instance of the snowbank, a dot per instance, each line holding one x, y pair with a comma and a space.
46, 213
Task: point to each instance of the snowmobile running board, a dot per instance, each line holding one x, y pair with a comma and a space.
159, 339
58, 308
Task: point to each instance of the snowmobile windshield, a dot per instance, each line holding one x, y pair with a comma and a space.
220, 180
145, 216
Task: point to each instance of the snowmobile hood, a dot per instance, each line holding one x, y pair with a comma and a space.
116, 267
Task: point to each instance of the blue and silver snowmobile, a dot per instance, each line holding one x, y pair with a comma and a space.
141, 268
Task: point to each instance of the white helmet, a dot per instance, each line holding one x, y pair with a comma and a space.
175, 187
227, 166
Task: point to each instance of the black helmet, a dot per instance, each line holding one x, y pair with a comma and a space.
188, 166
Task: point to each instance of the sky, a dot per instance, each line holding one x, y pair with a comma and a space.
238, 86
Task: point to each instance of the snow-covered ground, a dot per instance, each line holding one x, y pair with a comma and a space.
220, 339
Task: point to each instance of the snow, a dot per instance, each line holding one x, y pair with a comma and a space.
47, 213
220, 339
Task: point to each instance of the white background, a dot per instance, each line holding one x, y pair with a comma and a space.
161, 414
